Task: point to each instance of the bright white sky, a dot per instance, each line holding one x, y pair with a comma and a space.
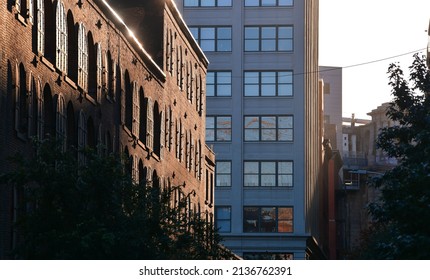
355, 32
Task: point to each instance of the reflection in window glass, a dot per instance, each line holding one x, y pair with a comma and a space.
268, 128
251, 219
268, 219
218, 128
223, 174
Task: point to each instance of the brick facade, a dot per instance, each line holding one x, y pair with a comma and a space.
141, 93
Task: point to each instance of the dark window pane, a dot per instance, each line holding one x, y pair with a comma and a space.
250, 219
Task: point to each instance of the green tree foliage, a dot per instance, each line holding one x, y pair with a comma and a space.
401, 228
96, 211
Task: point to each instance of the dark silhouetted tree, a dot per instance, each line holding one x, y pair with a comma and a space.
401, 228
96, 211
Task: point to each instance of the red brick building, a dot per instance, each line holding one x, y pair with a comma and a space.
124, 77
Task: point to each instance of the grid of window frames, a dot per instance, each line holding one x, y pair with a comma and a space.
268, 83
268, 38
213, 38
268, 174
223, 174
218, 83
218, 128
207, 3
268, 3
223, 218
268, 128
268, 219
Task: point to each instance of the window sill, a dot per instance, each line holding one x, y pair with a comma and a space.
70, 82
48, 64
21, 19
90, 98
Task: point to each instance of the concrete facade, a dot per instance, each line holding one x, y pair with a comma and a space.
264, 66
79, 72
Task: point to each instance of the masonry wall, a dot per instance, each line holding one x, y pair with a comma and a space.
136, 107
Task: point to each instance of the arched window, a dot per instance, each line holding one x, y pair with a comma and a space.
167, 127
142, 173
72, 47
91, 134
61, 120
48, 110
21, 102
101, 146
135, 169
32, 107
40, 111
142, 115
136, 110
156, 129
61, 39
93, 65
177, 139
40, 25
82, 57
128, 99
82, 136
49, 30
71, 128
99, 74
149, 141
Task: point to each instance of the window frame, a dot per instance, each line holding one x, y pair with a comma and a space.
259, 221
229, 174
261, 129
261, 79
261, 38
223, 219
197, 33
40, 27
61, 38
213, 89
277, 4
216, 130
277, 174
200, 4
83, 57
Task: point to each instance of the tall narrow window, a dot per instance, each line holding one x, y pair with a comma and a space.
136, 110
223, 174
40, 111
21, 102
82, 58
61, 39
82, 136
149, 124
99, 74
61, 120
223, 218
40, 27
